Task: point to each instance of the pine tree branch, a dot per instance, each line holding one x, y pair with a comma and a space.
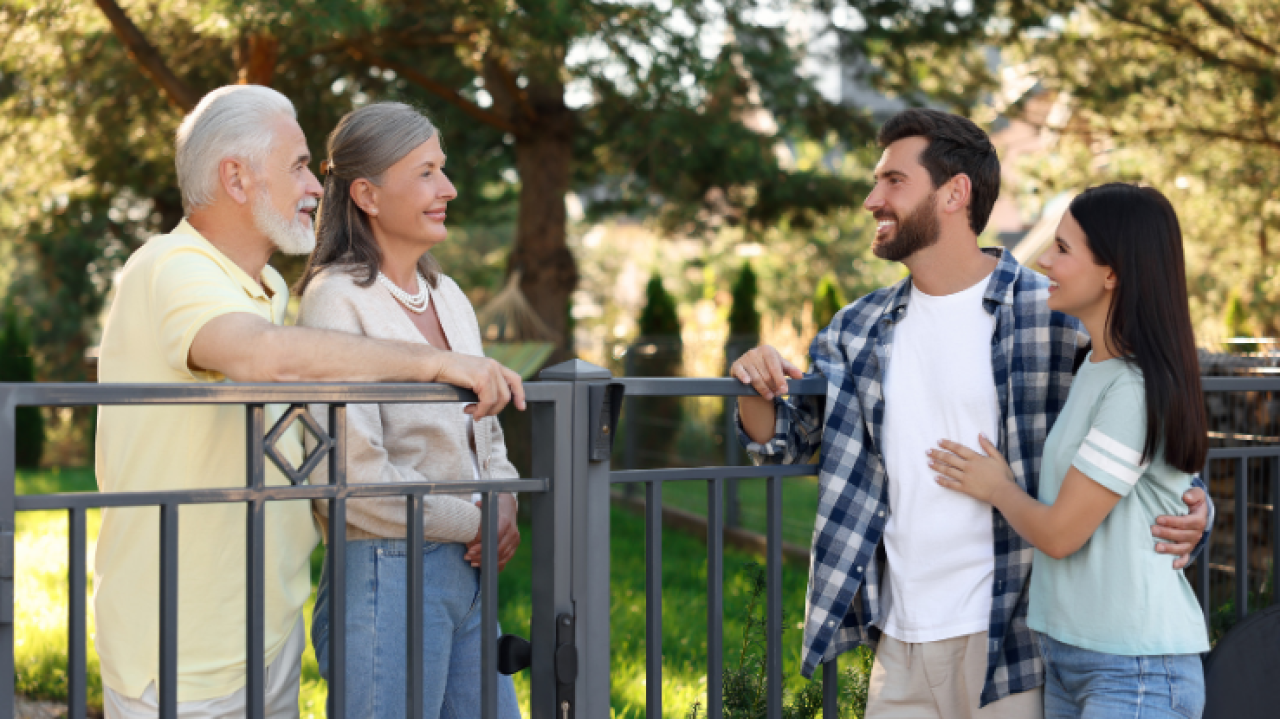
1157, 133
1263, 140
1177, 41
448, 94
148, 58
1224, 19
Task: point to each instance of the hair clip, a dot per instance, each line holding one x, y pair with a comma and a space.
327, 167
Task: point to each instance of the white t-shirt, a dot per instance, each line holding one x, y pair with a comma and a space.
939, 543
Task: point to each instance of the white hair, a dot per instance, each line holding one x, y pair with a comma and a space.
232, 121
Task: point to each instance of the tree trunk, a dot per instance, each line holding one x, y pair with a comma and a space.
544, 159
255, 57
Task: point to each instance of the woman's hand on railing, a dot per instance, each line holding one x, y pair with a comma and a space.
508, 534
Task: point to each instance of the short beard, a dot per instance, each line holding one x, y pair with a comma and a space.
289, 235
918, 231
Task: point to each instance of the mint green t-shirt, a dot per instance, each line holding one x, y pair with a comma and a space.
1115, 594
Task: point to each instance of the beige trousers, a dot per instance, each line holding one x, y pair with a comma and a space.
284, 676
940, 680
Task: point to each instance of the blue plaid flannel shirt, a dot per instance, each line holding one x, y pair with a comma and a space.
1032, 357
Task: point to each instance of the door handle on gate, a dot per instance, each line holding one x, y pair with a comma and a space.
515, 654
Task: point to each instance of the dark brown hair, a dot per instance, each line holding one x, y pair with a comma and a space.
1134, 231
956, 146
364, 145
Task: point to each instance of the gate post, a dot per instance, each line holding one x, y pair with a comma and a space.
589, 535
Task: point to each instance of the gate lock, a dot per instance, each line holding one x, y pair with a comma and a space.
606, 405
515, 654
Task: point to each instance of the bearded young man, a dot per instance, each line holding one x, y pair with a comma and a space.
201, 304
937, 584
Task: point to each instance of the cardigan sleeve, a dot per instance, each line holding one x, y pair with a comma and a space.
329, 304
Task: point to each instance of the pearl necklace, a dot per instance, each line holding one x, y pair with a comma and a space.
416, 304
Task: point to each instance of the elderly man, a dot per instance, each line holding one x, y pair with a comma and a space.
201, 304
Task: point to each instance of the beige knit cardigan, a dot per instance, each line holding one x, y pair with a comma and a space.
405, 442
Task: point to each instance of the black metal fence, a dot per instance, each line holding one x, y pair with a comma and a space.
574, 418
1243, 476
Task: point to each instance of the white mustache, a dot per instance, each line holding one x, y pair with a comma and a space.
308, 203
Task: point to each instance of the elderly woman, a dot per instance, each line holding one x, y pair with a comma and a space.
384, 206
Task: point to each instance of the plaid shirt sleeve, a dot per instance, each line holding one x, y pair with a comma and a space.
797, 432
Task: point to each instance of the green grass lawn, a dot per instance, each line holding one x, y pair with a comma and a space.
41, 601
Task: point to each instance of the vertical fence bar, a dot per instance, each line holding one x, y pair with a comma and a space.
715, 598
168, 611
733, 504
1242, 538
1275, 530
336, 556
773, 588
413, 668
77, 687
653, 597
489, 607
8, 480
255, 564
831, 689
1202, 562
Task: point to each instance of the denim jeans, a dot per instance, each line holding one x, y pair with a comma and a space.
377, 641
1093, 685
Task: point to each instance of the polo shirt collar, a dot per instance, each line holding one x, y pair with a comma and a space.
270, 278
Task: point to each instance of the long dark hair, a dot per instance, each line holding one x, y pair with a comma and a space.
364, 145
1134, 231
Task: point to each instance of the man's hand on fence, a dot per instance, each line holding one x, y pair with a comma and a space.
765, 370
508, 534
1180, 535
494, 384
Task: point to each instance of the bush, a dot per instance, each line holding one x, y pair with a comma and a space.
657, 352
744, 319
827, 301
1238, 324
17, 365
658, 319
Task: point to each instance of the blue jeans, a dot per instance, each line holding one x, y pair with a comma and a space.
377, 641
1093, 685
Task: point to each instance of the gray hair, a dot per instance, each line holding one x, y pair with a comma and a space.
232, 121
364, 145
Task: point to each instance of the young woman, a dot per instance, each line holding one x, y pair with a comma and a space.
1120, 634
384, 208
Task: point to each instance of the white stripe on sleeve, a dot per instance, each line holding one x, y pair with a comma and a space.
1125, 473
1116, 448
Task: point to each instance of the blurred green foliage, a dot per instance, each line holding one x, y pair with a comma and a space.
1181, 95
672, 110
17, 365
744, 318
658, 319
827, 301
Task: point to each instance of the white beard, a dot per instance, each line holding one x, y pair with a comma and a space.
289, 235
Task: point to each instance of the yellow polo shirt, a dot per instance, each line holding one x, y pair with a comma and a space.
168, 290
